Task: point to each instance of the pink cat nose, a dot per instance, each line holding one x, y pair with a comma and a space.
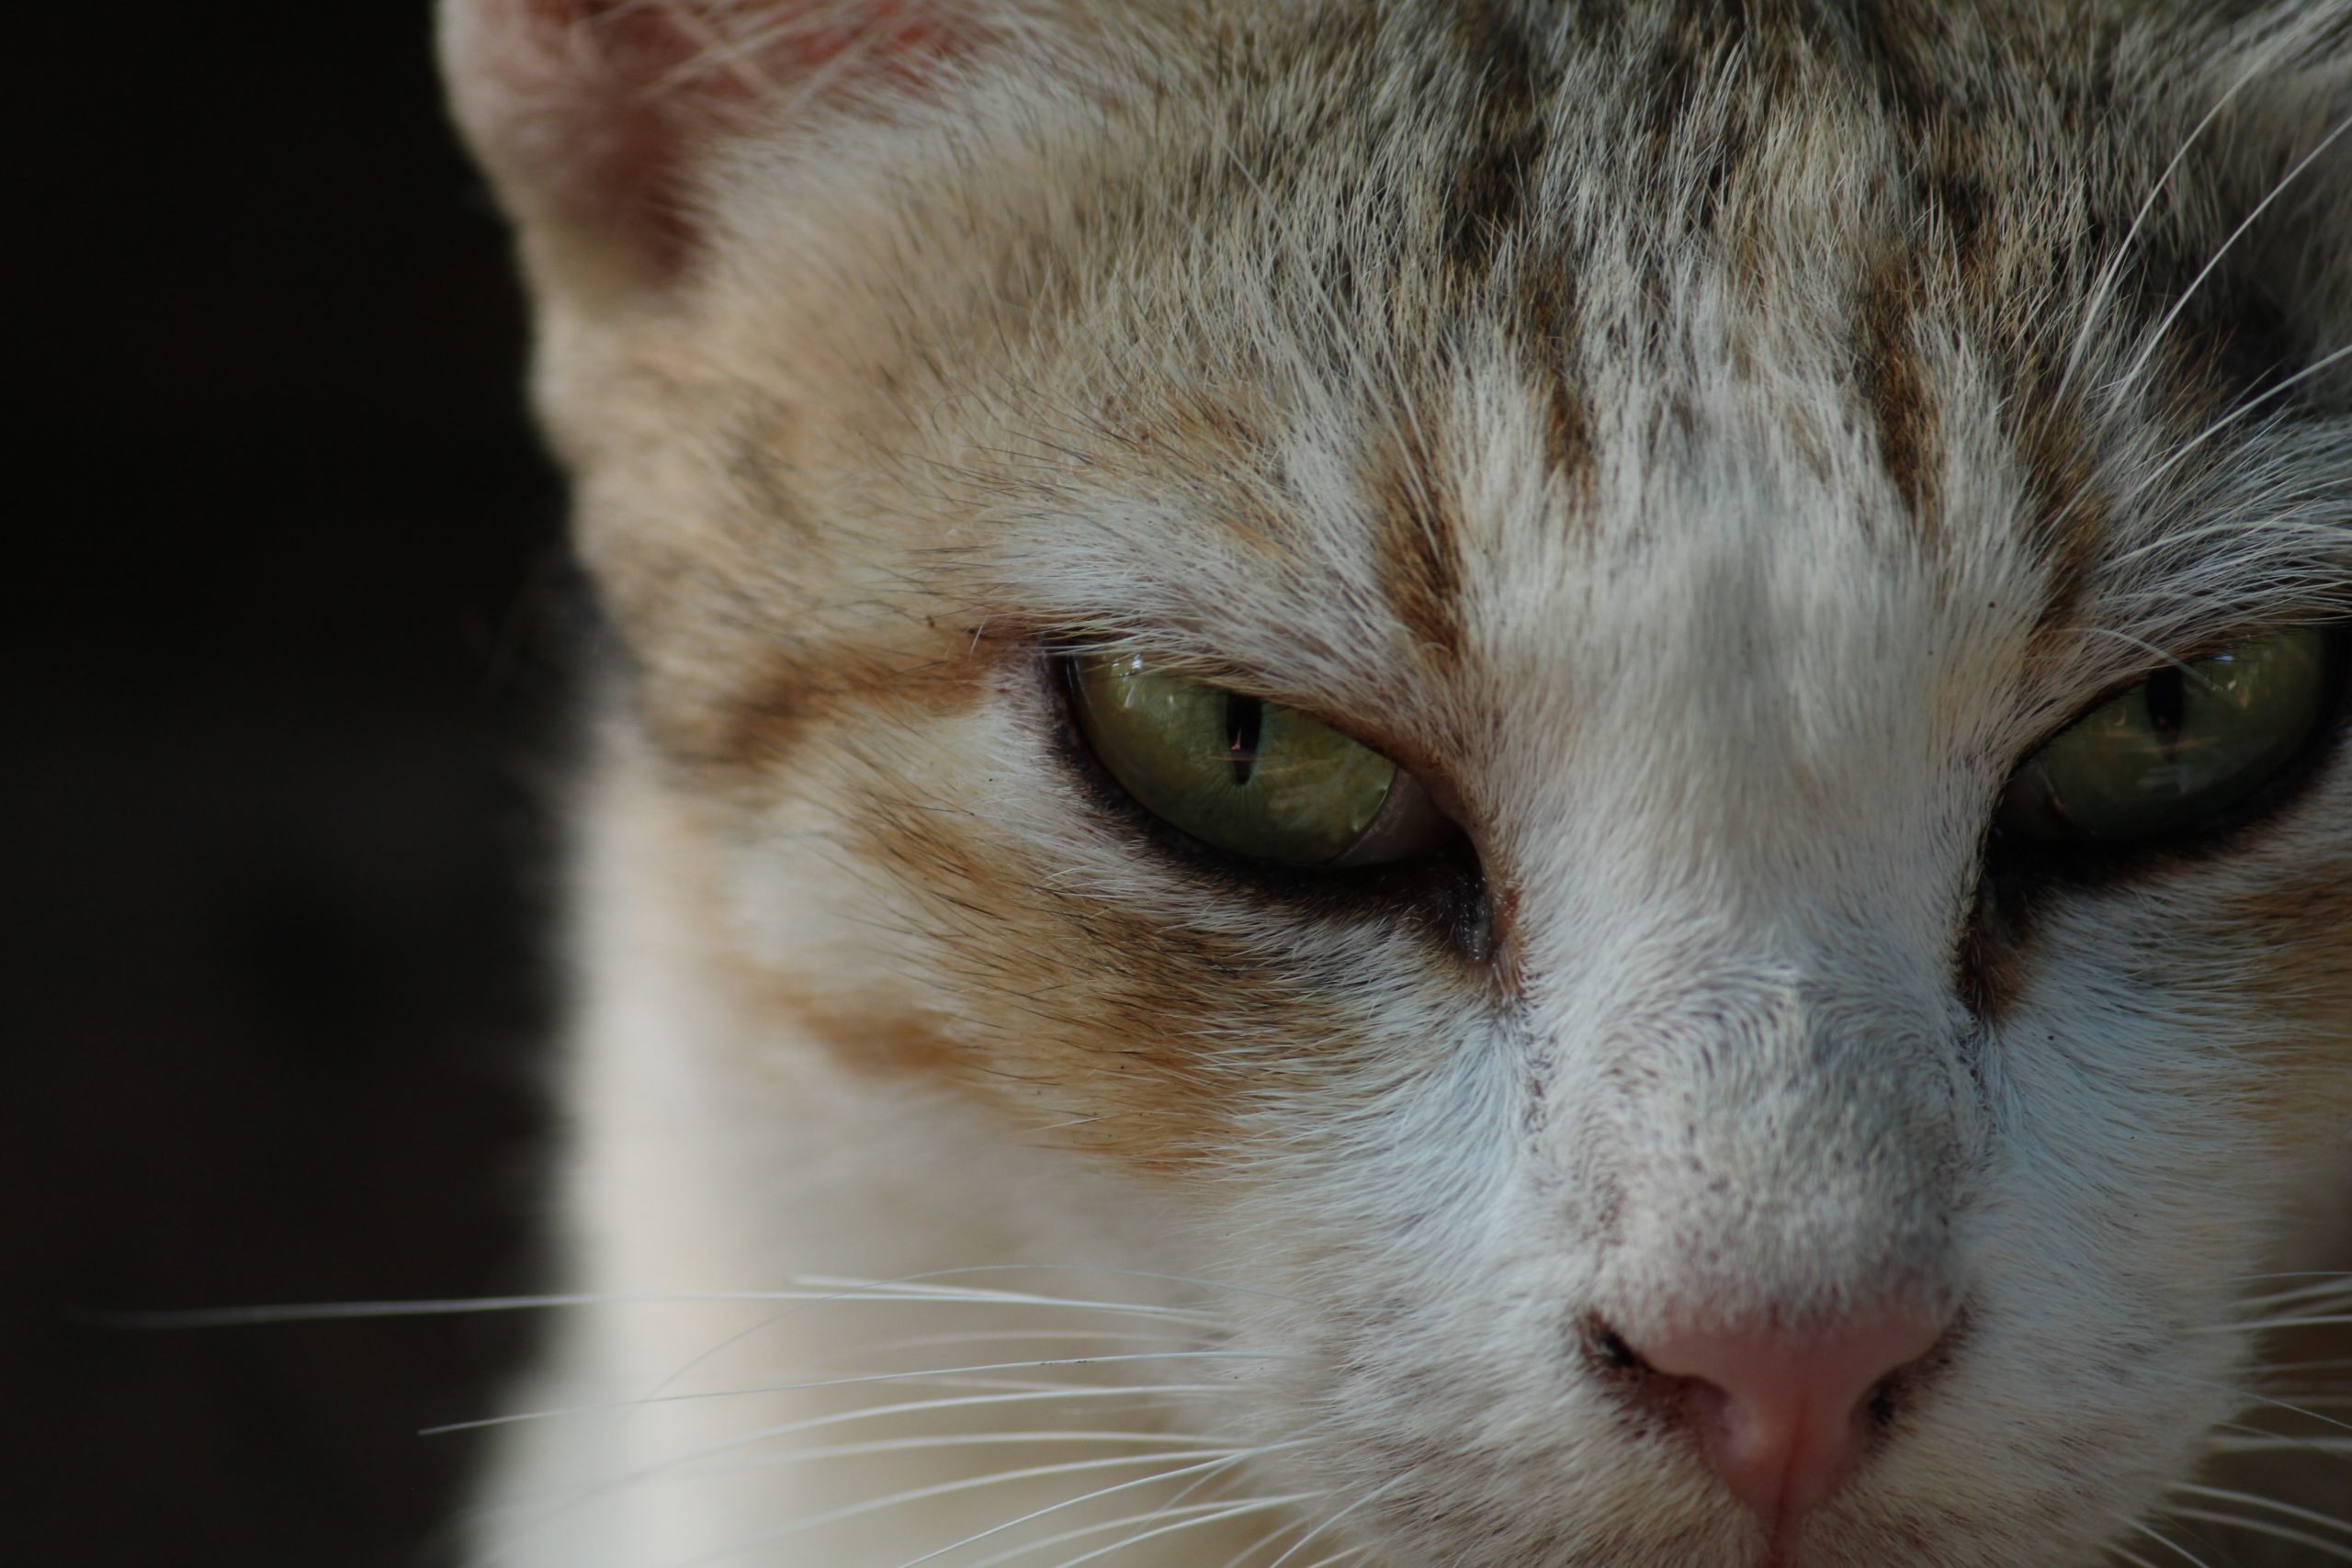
1783, 1416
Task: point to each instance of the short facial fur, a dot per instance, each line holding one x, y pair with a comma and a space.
1712, 445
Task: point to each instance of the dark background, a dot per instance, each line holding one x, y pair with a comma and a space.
283, 711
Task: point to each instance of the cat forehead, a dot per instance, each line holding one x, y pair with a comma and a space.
1384, 335
1363, 309
1347, 482
1679, 565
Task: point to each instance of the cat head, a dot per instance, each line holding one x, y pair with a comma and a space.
1647, 696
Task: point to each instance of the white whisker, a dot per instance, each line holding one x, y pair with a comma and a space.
1191, 1461
2252, 1397
330, 1312
1211, 1512
924, 1286
2272, 1325
2185, 449
2104, 289
1340, 1556
1012, 1336
1224, 1461
938, 1374
1161, 1275
2167, 1542
1263, 1543
2318, 1280
1012, 1438
808, 1291
2265, 1528
963, 1402
2252, 1499
1231, 1512
698, 1458
1372, 1496
2156, 335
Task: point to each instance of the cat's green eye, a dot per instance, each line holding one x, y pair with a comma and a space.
1249, 777
2181, 749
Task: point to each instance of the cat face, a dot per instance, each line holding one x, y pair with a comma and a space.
1748, 1111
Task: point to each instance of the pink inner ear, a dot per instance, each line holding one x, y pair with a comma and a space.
904, 42
598, 109
759, 44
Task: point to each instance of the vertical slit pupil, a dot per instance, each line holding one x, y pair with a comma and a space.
2168, 704
1244, 718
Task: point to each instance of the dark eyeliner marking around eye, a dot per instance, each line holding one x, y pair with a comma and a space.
1429, 873
2172, 706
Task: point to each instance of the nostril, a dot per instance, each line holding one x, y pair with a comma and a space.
1782, 1416
1607, 1349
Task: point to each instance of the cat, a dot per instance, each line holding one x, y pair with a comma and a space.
1505, 783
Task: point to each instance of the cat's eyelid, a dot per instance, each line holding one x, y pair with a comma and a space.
2036, 798
1244, 681
2204, 649
1414, 819
1410, 822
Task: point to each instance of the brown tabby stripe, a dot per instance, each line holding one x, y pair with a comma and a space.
1567, 436
1896, 384
766, 717
2308, 982
1127, 1029
1993, 964
2071, 510
1546, 291
1088, 1002
1505, 137
870, 1041
1419, 543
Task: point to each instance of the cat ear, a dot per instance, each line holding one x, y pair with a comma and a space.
593, 116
